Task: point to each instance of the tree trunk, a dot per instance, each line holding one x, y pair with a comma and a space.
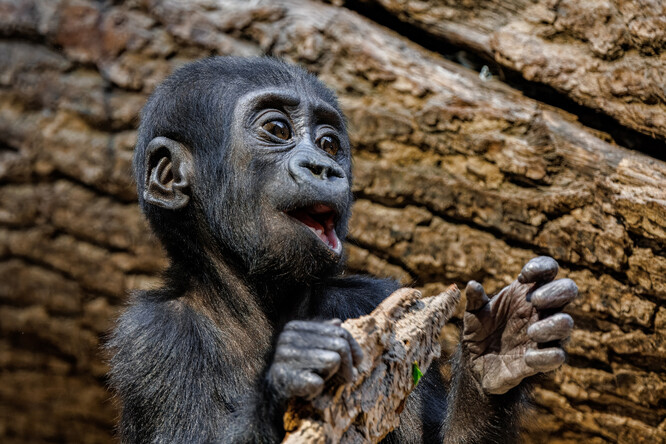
457, 175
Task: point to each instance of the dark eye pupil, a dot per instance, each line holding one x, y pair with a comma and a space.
330, 145
278, 129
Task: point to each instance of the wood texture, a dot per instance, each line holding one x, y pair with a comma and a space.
455, 177
608, 55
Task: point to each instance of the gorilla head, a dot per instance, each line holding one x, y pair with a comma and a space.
246, 162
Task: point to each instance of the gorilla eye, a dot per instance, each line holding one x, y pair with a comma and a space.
329, 144
278, 128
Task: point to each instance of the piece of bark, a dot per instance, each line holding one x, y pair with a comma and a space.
403, 330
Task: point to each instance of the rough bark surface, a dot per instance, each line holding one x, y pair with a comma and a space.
402, 331
456, 178
608, 55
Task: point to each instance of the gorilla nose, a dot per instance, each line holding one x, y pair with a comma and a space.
305, 167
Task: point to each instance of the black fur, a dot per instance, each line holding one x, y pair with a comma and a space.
191, 359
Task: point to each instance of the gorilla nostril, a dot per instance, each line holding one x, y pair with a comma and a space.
317, 170
336, 172
322, 171
304, 168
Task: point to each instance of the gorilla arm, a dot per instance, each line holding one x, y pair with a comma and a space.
184, 380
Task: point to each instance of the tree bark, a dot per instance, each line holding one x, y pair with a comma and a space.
456, 178
606, 55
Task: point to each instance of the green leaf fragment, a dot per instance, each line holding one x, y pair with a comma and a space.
416, 373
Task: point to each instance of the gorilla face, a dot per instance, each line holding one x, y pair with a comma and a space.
247, 161
287, 205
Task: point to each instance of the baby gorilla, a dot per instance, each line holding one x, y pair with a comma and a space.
243, 169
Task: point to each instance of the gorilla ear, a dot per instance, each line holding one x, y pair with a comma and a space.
168, 174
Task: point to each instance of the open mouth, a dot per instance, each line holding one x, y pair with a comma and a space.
320, 219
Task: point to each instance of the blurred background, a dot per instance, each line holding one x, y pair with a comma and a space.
485, 132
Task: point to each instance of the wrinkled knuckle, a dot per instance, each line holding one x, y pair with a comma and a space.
294, 325
280, 349
280, 373
340, 345
284, 352
287, 337
539, 294
339, 331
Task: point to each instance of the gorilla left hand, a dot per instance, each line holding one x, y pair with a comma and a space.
510, 337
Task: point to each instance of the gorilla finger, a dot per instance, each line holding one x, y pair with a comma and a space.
342, 348
307, 339
330, 328
348, 349
545, 359
555, 294
286, 354
356, 351
307, 385
292, 338
302, 325
319, 327
552, 328
539, 270
476, 296
325, 363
